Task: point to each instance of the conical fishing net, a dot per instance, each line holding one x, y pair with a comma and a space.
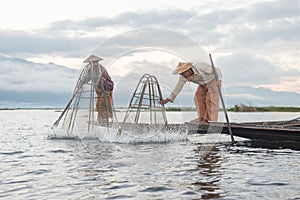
145, 112
91, 107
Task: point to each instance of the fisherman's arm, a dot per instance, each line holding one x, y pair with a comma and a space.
177, 89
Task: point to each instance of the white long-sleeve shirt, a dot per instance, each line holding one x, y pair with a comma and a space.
203, 74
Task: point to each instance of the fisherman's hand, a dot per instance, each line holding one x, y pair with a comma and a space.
164, 101
98, 91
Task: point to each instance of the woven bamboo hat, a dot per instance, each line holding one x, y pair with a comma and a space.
182, 67
93, 58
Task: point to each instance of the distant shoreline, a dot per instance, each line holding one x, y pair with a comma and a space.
236, 108
246, 109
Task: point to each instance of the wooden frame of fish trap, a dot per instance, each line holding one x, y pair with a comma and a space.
145, 113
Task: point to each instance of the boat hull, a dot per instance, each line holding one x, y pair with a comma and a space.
274, 134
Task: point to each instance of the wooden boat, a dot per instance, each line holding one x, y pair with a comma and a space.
285, 134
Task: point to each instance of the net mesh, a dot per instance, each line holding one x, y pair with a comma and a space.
91, 105
145, 112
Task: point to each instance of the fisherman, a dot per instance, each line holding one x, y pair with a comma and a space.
104, 88
104, 91
207, 96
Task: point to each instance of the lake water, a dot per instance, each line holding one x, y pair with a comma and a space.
34, 167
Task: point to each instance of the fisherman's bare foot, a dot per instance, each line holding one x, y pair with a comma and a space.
203, 121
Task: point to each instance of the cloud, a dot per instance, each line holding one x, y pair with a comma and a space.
16, 42
244, 69
272, 10
253, 43
126, 85
167, 17
23, 76
263, 23
25, 84
228, 29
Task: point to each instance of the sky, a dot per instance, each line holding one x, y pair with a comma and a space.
254, 42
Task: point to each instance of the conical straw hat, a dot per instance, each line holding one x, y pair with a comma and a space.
93, 58
182, 67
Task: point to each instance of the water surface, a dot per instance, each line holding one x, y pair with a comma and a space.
34, 167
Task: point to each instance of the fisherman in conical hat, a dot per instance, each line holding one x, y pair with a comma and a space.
207, 96
104, 88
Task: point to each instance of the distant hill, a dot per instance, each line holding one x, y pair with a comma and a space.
14, 99
28, 84
25, 84
260, 97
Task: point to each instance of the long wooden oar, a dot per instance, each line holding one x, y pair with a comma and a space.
222, 100
62, 114
75, 92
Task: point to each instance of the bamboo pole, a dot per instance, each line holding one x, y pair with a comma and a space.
222, 100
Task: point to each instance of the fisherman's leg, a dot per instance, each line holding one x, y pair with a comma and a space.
196, 101
106, 108
214, 100
201, 102
98, 105
102, 109
208, 107
98, 101
110, 102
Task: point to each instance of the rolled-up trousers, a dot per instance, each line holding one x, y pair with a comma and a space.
104, 106
207, 101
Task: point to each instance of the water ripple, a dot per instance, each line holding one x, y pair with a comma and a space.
12, 152
120, 187
120, 197
155, 189
16, 182
37, 172
60, 151
265, 183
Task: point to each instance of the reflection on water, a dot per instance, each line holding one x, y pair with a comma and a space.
210, 175
270, 144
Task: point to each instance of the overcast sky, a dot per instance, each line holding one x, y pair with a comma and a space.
254, 42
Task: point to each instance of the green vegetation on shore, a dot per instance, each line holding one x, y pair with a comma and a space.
244, 108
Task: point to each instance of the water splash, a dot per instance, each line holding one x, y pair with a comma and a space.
104, 134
